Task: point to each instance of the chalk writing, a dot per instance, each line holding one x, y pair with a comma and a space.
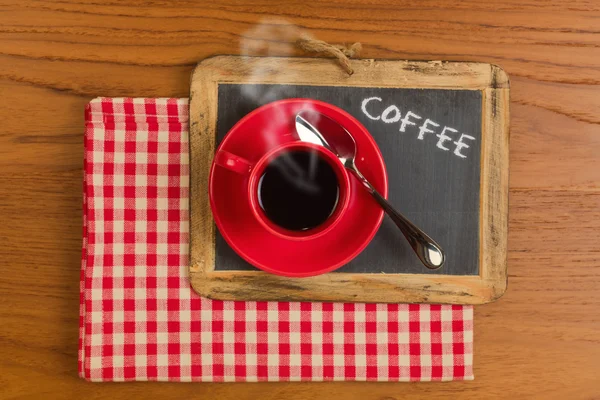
406, 120
364, 108
423, 128
460, 144
392, 114
444, 138
385, 117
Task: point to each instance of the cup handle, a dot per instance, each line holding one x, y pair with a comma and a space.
232, 162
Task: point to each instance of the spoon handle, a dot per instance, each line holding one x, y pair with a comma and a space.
429, 252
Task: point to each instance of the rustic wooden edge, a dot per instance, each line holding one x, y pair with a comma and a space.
386, 288
203, 108
493, 215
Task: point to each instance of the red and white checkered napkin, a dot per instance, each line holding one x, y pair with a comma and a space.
140, 319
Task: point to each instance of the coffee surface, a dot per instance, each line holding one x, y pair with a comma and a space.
298, 190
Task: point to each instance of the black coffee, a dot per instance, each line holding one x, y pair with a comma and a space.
298, 190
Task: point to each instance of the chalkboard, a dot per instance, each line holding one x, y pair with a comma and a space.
442, 128
435, 188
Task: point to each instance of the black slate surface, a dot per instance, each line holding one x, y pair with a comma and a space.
436, 189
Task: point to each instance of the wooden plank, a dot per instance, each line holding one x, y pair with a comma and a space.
203, 96
494, 185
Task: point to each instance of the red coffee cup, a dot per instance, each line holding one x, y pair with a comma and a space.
253, 172
233, 187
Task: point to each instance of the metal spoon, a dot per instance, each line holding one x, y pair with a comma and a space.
341, 143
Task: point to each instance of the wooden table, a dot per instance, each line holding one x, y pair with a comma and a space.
542, 339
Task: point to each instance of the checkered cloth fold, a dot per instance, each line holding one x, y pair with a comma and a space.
140, 319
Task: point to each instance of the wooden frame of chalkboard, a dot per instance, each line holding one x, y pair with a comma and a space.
484, 287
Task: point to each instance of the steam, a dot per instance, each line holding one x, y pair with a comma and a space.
270, 38
277, 37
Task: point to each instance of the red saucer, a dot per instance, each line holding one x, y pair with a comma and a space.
254, 135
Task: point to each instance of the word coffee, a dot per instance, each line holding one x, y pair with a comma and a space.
446, 137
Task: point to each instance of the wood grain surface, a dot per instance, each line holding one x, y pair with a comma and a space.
540, 340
